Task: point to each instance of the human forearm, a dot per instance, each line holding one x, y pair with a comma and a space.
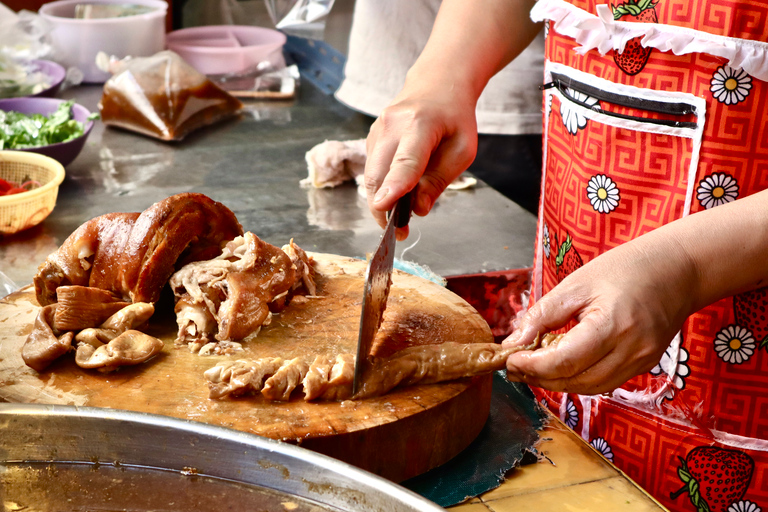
728, 246
471, 41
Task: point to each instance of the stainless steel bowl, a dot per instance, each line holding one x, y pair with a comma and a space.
51, 435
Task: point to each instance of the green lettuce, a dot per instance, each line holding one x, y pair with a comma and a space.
21, 131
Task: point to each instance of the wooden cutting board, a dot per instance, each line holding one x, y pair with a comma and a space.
399, 435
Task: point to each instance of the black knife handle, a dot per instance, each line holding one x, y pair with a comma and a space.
403, 210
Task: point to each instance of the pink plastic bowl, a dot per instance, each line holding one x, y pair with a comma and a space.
222, 49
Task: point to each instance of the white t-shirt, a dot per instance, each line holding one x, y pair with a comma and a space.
386, 38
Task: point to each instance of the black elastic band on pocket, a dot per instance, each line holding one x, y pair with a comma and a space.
563, 83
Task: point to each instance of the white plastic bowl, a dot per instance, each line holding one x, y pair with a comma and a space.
77, 41
222, 49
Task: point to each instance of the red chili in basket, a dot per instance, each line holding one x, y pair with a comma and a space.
9, 187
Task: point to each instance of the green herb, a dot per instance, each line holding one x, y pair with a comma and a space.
21, 131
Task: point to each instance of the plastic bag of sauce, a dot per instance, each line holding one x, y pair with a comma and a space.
162, 96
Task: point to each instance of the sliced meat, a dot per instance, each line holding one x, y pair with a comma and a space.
129, 348
341, 378
424, 364
316, 380
280, 385
80, 307
130, 317
235, 290
305, 268
239, 377
45, 344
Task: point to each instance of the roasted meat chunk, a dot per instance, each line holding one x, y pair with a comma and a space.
231, 296
132, 255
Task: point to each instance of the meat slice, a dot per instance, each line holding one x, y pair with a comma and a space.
280, 385
427, 364
130, 317
304, 266
341, 378
129, 348
316, 380
229, 297
424, 364
80, 307
45, 344
330, 380
240, 377
132, 255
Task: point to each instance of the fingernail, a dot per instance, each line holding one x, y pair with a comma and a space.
381, 195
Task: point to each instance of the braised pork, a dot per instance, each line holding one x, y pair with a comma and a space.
132, 255
231, 296
129, 348
45, 344
424, 364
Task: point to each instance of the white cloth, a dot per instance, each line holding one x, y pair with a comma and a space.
386, 38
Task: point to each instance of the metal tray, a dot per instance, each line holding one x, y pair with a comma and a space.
54, 434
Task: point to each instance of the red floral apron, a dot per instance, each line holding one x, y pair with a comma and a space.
676, 124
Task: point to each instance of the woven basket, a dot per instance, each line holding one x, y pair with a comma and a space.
22, 211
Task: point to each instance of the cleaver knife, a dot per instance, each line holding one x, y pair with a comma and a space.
378, 278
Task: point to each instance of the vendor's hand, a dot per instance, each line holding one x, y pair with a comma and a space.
629, 303
426, 137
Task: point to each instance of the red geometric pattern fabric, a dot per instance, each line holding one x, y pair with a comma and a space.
605, 183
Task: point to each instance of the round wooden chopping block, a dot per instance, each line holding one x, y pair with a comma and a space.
398, 436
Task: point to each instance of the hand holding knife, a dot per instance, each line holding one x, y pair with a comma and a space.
378, 278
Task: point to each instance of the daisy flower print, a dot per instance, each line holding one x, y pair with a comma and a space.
572, 119
734, 344
744, 506
716, 189
603, 193
603, 447
571, 414
730, 86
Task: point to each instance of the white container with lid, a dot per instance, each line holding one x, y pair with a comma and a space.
77, 41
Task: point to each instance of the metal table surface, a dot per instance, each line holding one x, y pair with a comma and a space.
253, 165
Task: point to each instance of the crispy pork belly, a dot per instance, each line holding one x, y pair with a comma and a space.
45, 344
280, 385
228, 298
132, 255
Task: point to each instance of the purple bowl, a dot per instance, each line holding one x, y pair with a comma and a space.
53, 71
63, 152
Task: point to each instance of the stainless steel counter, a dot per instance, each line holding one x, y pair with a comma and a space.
253, 165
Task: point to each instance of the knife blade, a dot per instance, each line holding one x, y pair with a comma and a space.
378, 279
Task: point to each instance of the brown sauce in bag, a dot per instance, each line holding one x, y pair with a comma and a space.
164, 97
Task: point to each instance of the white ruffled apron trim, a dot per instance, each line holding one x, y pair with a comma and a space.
603, 33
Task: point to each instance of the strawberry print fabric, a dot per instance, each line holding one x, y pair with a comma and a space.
693, 430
